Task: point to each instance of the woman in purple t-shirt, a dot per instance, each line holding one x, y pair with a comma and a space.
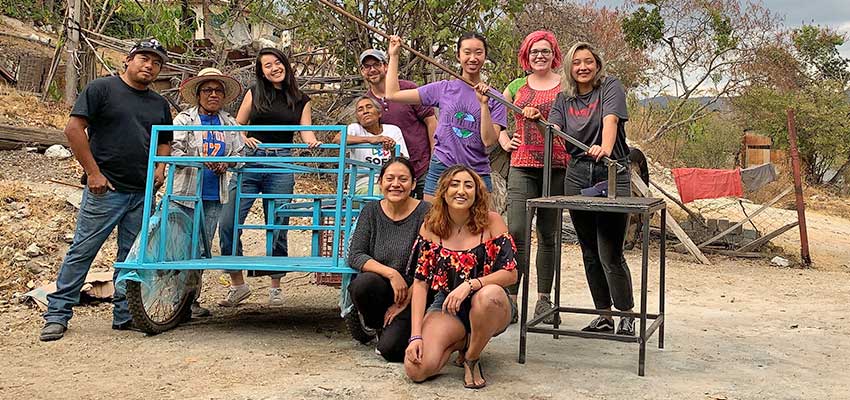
469, 121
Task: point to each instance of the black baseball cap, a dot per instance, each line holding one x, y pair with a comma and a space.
150, 46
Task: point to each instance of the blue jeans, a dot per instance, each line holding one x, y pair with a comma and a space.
212, 214
99, 215
436, 169
255, 183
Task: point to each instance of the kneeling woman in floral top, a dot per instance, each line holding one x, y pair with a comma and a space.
462, 261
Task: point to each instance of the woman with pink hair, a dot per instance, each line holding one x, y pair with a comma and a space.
540, 56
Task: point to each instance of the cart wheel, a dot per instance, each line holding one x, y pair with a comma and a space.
165, 303
359, 332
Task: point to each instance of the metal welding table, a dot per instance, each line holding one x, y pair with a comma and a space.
631, 205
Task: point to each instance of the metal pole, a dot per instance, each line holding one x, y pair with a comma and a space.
547, 162
71, 76
798, 189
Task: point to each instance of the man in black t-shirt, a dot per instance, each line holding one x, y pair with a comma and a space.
117, 112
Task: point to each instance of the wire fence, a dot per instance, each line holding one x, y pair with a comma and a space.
762, 220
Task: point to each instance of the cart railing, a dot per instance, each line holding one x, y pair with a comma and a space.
343, 206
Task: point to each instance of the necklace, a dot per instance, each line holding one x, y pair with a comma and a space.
460, 226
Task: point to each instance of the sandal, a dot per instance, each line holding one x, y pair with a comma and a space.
461, 354
471, 364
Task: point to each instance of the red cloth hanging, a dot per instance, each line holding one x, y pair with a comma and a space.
701, 183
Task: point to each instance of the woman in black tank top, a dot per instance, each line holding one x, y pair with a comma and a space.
274, 100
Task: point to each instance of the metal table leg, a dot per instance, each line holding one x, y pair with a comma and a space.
560, 224
644, 331
644, 267
662, 264
523, 327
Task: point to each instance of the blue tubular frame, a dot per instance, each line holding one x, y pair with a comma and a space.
346, 204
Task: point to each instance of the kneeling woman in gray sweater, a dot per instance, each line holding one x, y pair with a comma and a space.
380, 249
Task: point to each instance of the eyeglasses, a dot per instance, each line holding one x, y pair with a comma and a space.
209, 91
366, 67
540, 52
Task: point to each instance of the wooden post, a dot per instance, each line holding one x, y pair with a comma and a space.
798, 190
73, 35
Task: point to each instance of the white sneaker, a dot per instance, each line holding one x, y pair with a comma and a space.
235, 295
276, 297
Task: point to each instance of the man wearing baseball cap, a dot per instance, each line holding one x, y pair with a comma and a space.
109, 131
417, 122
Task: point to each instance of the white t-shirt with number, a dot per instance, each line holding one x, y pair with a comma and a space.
375, 156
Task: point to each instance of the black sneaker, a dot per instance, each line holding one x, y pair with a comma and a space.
626, 327
600, 325
52, 331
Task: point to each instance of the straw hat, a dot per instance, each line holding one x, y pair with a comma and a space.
189, 87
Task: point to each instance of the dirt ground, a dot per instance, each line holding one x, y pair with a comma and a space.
738, 329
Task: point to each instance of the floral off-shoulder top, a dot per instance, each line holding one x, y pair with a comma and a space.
444, 269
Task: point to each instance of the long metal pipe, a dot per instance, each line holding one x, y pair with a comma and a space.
542, 124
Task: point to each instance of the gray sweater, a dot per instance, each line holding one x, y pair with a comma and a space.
379, 238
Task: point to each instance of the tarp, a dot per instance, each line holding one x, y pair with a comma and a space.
178, 246
701, 183
754, 178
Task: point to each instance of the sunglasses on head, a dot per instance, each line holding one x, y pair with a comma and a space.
148, 44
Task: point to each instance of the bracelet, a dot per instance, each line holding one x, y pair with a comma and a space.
480, 284
413, 339
471, 289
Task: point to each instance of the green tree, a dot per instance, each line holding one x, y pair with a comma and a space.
430, 26
804, 71
817, 48
823, 131
710, 142
697, 48
166, 21
33, 10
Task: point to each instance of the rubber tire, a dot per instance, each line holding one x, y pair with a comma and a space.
183, 312
352, 322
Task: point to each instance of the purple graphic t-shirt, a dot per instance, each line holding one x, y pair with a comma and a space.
458, 134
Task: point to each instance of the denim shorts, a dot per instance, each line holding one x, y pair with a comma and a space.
463, 313
436, 169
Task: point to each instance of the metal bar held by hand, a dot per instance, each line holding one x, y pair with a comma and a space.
542, 123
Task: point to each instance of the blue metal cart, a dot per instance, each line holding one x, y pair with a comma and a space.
162, 273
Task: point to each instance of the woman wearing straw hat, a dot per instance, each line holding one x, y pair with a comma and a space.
208, 92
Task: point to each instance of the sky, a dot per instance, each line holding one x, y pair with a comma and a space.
832, 13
